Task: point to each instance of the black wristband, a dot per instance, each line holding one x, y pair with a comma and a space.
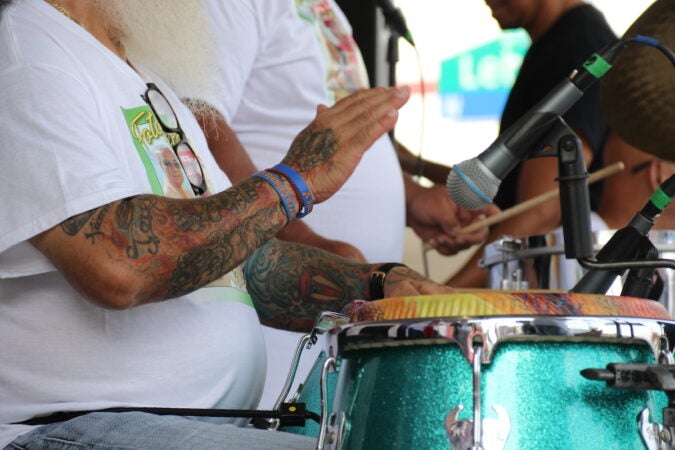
377, 277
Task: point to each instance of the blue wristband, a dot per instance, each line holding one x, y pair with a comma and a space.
277, 183
305, 196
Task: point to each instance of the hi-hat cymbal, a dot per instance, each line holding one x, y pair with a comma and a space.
638, 93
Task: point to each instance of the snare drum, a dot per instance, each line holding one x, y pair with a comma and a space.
495, 370
538, 262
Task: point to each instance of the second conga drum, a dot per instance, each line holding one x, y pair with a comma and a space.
501, 369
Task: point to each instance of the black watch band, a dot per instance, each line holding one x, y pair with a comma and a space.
377, 277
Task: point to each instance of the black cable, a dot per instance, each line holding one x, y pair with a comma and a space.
62, 416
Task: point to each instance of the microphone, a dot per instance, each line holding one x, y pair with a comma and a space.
395, 20
627, 242
474, 183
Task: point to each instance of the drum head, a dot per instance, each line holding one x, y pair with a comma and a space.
504, 303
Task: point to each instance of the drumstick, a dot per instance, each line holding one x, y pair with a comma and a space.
538, 200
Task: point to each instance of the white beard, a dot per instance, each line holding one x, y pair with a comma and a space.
171, 38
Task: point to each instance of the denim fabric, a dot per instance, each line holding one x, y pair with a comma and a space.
140, 431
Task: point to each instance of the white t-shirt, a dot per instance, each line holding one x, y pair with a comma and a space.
78, 135
278, 60
274, 71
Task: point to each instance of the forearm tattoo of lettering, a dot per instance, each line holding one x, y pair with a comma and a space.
312, 148
134, 220
290, 283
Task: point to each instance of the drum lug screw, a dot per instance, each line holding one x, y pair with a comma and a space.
665, 435
332, 435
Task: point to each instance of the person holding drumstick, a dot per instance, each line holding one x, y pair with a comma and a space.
564, 33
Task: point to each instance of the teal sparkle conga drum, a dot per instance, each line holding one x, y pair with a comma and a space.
495, 370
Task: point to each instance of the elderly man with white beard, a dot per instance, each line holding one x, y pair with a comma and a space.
114, 295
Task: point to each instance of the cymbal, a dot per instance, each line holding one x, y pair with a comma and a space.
638, 93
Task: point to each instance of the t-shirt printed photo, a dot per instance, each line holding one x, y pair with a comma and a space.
167, 170
346, 70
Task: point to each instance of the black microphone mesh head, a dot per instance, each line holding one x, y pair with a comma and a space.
460, 189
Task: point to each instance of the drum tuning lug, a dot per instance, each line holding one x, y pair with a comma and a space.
335, 431
655, 436
665, 356
331, 437
327, 422
343, 426
666, 435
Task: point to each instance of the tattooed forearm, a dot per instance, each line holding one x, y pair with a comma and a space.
291, 283
202, 264
178, 246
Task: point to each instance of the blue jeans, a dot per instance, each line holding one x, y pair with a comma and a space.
141, 431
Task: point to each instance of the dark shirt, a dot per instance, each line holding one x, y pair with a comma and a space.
581, 32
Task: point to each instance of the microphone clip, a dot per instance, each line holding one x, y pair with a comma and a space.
559, 140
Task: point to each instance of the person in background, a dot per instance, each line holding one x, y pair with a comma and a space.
564, 34
278, 59
113, 294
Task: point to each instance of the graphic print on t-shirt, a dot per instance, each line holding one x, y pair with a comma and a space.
346, 70
166, 174
168, 178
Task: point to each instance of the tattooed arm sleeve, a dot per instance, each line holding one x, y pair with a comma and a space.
291, 283
149, 248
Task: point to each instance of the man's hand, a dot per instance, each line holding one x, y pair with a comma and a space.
436, 219
237, 164
326, 152
403, 281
